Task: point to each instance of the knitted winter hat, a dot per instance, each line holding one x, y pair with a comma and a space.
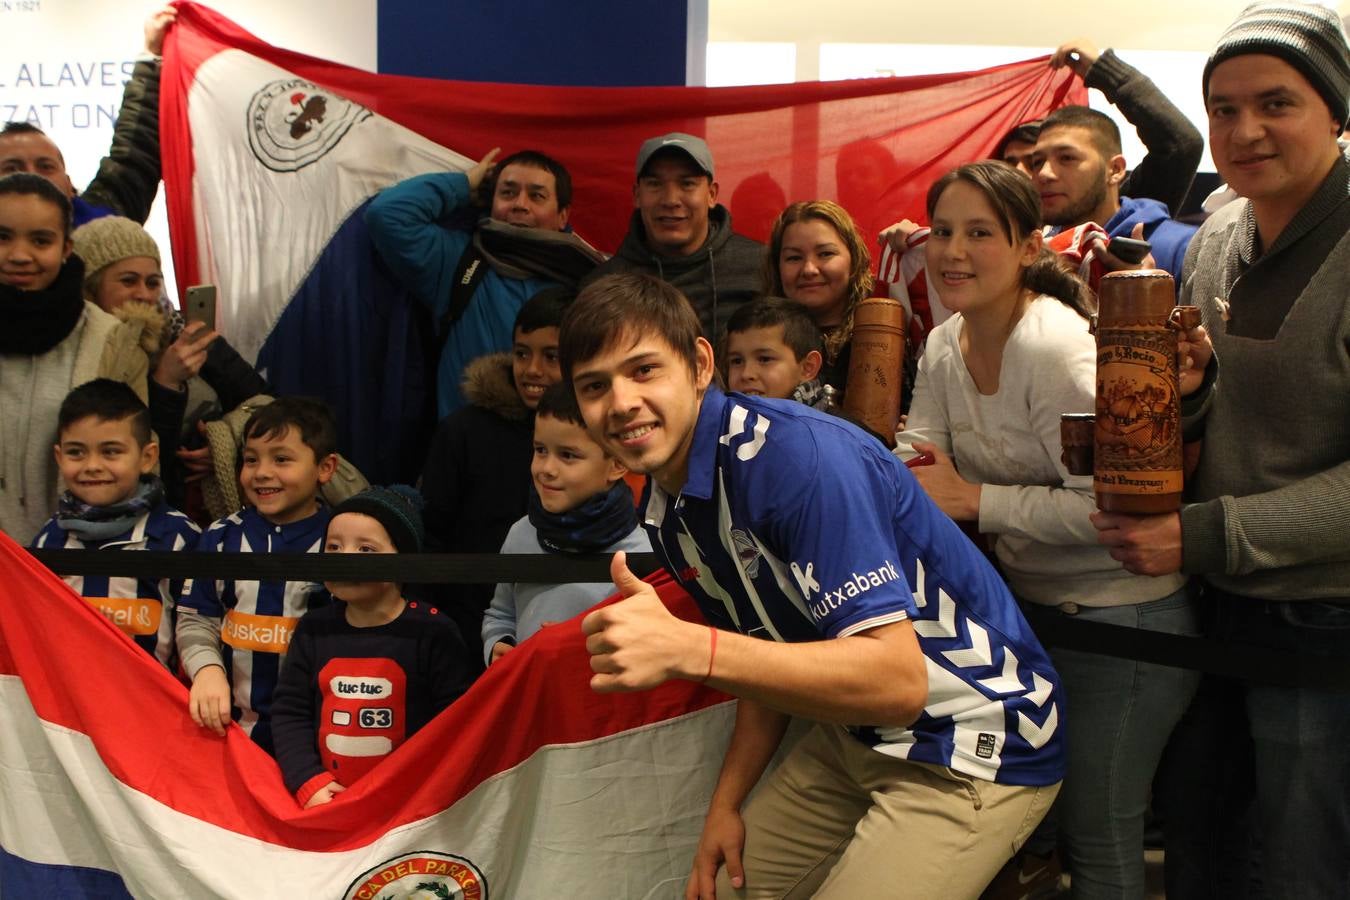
1308, 37
398, 508
107, 240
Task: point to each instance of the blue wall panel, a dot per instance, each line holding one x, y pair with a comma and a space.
591, 42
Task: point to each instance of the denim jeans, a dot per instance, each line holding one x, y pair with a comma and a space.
1204, 797
1298, 742
1118, 715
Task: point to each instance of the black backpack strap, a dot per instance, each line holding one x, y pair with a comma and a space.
472, 268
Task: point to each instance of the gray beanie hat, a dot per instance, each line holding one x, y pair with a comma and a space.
107, 240
1308, 37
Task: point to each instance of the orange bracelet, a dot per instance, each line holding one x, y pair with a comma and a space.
712, 652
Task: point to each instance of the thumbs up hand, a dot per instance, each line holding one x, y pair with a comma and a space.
636, 644
628, 584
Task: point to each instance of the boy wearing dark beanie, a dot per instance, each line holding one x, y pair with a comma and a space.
364, 674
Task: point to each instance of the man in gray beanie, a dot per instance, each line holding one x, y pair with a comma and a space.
1267, 527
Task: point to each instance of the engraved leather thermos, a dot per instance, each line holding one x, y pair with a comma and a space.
1137, 445
876, 365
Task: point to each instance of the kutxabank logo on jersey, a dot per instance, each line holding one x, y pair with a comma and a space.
293, 123
420, 875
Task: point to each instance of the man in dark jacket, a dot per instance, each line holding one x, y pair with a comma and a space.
128, 177
682, 235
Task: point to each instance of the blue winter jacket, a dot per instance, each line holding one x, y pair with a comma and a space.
1169, 237
415, 229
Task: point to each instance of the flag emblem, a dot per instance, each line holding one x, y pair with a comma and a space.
293, 123
424, 874
746, 551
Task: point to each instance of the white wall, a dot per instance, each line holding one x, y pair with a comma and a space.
776, 41
1145, 24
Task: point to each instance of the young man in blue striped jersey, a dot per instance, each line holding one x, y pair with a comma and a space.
835, 591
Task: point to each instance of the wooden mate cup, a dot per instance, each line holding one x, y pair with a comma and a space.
1136, 433
876, 365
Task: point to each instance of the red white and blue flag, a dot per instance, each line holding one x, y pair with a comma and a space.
270, 156
530, 785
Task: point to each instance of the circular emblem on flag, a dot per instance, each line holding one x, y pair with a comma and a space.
292, 123
421, 875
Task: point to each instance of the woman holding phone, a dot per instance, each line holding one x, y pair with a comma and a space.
194, 373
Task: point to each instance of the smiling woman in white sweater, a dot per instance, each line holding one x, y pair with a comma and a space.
992, 384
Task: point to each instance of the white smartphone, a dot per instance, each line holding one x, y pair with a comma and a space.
200, 305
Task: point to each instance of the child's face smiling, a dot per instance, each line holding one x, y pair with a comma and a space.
33, 242
760, 364
101, 461
568, 467
534, 363
281, 478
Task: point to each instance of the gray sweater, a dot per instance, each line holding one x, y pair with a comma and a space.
717, 278
1271, 517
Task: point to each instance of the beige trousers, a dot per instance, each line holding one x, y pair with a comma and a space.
839, 820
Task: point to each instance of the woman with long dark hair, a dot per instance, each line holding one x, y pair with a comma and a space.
992, 384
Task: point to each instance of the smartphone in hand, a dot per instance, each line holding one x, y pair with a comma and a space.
200, 305
1128, 249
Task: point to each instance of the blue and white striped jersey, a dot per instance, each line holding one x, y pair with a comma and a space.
794, 525
256, 618
143, 608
